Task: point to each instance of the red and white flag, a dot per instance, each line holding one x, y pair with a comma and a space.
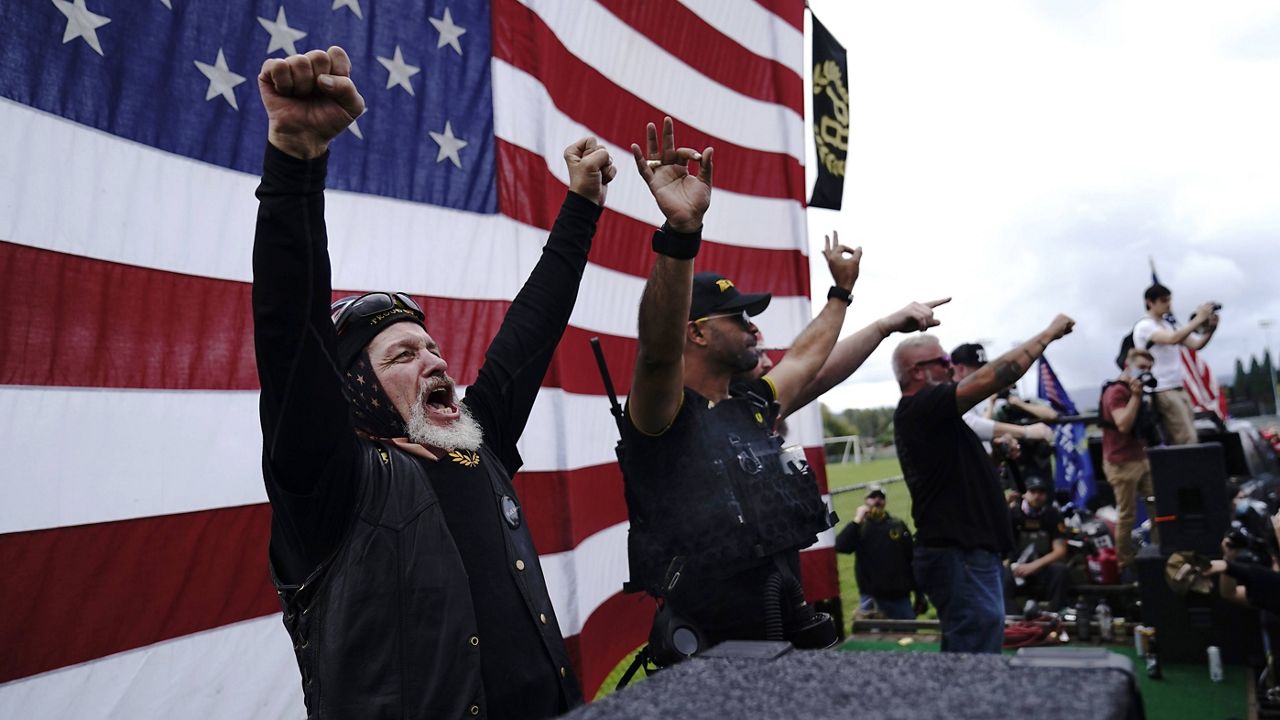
1200, 384
133, 526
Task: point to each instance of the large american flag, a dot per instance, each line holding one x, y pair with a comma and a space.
133, 523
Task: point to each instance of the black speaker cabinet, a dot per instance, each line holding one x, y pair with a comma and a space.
1192, 511
1186, 626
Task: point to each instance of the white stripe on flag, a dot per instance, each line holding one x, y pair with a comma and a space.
237, 671
643, 68
735, 218
754, 28
141, 453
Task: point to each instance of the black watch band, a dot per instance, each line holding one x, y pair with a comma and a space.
678, 245
838, 293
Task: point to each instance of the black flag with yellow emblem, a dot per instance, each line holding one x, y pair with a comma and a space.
830, 116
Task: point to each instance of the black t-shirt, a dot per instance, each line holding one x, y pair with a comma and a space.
462, 482
955, 495
1040, 529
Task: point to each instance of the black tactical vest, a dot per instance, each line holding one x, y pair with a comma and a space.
716, 491
385, 627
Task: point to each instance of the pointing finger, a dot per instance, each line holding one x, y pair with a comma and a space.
940, 301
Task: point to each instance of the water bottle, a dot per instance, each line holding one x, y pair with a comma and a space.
1153, 657
1104, 621
1082, 620
1215, 663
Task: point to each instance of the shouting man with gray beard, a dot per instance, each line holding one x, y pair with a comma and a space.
409, 581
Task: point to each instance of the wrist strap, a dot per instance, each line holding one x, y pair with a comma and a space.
678, 245
838, 293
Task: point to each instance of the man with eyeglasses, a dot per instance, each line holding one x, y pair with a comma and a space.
962, 521
718, 513
408, 578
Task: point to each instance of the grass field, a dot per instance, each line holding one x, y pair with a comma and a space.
897, 501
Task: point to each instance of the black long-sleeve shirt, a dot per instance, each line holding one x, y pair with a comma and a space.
1261, 584
884, 548
311, 453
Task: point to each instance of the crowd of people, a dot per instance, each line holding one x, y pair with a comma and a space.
410, 585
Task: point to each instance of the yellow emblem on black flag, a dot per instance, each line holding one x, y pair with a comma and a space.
830, 116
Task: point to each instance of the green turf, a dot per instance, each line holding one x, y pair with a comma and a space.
897, 501
1184, 693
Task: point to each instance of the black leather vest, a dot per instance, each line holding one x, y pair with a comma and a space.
715, 490
385, 627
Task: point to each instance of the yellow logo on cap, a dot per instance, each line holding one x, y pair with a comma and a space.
724, 284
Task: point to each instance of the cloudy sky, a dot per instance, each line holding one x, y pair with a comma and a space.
1026, 158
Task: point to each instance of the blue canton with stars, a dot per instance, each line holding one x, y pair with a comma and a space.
181, 76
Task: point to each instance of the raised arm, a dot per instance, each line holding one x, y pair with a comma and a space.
658, 382
1126, 415
1182, 336
849, 354
1039, 412
309, 99
1006, 369
517, 358
812, 347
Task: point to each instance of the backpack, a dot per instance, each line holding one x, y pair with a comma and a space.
1126, 344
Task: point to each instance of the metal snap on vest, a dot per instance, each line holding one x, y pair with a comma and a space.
511, 511
563, 672
543, 618
520, 565
474, 710
473, 640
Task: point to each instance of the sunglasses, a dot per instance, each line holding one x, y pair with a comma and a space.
943, 360
346, 309
740, 316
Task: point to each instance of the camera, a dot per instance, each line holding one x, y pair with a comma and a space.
1250, 533
1148, 381
1216, 308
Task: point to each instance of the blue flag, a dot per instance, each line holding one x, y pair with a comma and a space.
1073, 470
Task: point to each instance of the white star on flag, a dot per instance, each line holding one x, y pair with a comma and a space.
282, 36
449, 33
449, 145
352, 5
221, 80
354, 127
166, 3
81, 23
398, 71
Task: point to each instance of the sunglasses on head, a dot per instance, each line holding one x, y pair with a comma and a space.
343, 311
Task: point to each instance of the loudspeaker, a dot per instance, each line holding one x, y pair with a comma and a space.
1192, 512
1187, 625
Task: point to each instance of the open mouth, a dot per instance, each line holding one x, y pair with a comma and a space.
439, 402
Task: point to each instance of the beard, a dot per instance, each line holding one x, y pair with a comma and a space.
461, 433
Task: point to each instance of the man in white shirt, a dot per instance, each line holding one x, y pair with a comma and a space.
1159, 335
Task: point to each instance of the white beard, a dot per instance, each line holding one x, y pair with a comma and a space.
463, 433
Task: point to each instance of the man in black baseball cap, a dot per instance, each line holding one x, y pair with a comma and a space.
1040, 548
718, 511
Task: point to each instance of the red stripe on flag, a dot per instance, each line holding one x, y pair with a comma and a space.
792, 11
704, 48
80, 322
522, 39
529, 193
80, 593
